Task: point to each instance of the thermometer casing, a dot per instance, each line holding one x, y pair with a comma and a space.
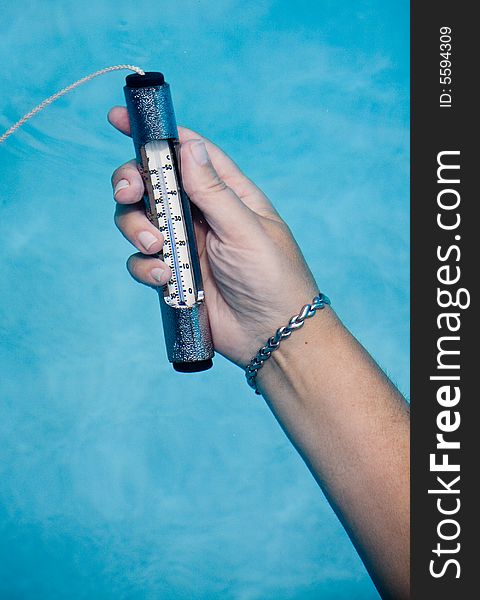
187, 333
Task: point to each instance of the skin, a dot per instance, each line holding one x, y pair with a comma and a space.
343, 415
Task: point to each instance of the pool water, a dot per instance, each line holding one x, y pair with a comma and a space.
120, 478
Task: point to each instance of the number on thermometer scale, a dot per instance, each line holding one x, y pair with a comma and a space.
166, 205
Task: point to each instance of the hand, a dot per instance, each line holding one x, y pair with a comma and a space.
255, 277
347, 420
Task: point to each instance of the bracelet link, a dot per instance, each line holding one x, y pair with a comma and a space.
296, 322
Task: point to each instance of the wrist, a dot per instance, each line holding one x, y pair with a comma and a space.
303, 351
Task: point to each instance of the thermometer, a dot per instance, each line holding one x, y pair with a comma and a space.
182, 300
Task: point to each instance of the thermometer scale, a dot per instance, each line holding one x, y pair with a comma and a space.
166, 212
182, 299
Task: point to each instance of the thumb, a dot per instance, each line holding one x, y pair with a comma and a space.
226, 214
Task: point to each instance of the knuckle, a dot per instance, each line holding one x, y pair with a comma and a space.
215, 185
212, 186
278, 231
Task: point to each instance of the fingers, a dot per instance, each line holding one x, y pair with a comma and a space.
137, 229
127, 184
118, 117
227, 170
226, 214
148, 270
131, 220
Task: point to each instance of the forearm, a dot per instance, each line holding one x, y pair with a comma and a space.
352, 428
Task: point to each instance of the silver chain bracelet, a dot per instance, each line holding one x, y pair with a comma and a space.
296, 322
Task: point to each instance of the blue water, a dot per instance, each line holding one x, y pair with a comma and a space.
118, 477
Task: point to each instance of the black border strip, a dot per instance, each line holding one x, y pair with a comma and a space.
436, 128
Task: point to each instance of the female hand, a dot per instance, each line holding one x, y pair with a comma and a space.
255, 277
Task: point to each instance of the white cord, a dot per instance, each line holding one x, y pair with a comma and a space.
64, 91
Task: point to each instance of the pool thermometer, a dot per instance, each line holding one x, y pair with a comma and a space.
182, 299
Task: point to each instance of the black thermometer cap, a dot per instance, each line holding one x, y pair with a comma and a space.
150, 79
193, 367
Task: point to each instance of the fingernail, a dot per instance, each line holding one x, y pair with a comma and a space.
199, 153
146, 239
120, 185
159, 275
